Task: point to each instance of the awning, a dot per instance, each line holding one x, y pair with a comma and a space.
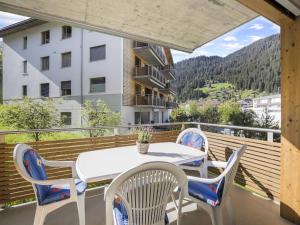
179, 24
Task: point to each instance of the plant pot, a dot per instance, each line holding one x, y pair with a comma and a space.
142, 147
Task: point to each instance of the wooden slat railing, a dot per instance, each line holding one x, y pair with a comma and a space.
259, 170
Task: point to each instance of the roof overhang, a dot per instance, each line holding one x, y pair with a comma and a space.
179, 24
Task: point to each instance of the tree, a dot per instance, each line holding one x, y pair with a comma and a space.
193, 110
179, 114
229, 111
30, 114
97, 114
209, 114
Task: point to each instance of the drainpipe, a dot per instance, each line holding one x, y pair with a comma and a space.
81, 73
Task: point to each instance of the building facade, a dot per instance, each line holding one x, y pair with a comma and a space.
42, 59
271, 104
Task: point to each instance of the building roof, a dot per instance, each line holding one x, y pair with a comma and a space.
179, 24
23, 25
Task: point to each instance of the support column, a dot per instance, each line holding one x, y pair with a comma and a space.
290, 121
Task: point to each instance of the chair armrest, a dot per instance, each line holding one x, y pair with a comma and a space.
62, 164
207, 180
216, 164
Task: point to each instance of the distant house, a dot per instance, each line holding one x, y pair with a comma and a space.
43, 59
271, 104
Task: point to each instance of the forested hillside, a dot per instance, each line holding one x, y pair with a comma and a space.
253, 67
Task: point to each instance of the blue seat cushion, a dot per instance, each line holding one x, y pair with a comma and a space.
195, 163
47, 193
193, 140
205, 192
60, 192
121, 215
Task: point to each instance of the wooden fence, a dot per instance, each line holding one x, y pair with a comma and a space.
259, 169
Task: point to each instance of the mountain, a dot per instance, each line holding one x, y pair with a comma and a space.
255, 67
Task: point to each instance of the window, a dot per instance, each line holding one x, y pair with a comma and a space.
97, 53
45, 63
66, 118
25, 66
45, 90
97, 84
66, 88
46, 37
137, 62
24, 90
66, 59
142, 117
66, 32
25, 42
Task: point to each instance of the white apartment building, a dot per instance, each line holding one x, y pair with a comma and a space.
271, 103
43, 59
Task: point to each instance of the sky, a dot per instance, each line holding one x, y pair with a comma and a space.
222, 46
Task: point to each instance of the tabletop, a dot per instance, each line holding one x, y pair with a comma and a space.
104, 164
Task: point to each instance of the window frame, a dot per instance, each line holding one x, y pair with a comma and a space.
64, 33
92, 91
24, 88
45, 41
62, 93
68, 118
41, 85
25, 67
97, 59
42, 63
25, 42
62, 59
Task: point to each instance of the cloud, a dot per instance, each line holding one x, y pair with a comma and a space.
9, 18
276, 28
230, 38
254, 38
233, 46
256, 26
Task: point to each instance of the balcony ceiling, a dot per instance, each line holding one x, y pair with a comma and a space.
179, 24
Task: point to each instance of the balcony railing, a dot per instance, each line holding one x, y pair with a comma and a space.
152, 54
150, 76
259, 170
168, 89
149, 100
169, 71
171, 105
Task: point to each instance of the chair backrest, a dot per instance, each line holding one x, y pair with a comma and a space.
193, 137
31, 167
231, 170
145, 191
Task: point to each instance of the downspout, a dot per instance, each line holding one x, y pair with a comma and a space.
81, 74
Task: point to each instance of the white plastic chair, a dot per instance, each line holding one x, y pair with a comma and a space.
212, 194
196, 137
140, 195
50, 194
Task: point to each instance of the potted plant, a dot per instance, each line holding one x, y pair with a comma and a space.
143, 139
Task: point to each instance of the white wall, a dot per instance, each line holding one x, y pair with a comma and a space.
14, 55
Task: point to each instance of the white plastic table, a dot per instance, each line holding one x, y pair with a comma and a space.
106, 164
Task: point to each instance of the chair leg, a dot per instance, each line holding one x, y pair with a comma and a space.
230, 212
81, 208
40, 214
179, 208
216, 216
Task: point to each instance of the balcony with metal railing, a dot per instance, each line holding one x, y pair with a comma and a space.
169, 71
151, 76
152, 54
169, 89
150, 101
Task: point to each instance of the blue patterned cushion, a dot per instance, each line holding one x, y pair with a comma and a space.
36, 169
195, 163
193, 140
121, 215
60, 192
209, 193
47, 193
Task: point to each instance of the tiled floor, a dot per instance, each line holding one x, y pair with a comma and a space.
249, 210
